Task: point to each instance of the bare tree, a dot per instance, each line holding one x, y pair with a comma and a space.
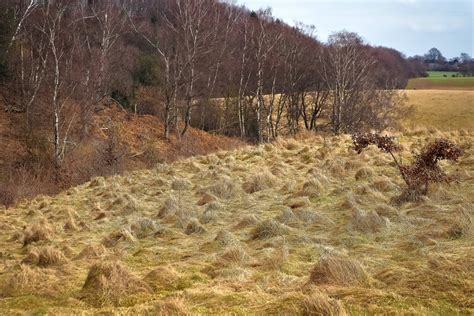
57, 32
265, 39
22, 10
99, 26
347, 71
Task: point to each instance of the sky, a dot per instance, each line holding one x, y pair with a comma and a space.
410, 26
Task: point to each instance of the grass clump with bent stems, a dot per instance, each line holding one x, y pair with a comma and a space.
340, 270
108, 283
268, 229
37, 232
260, 181
320, 304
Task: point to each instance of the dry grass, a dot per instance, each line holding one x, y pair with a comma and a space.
174, 306
37, 232
267, 229
285, 228
262, 180
110, 283
368, 222
446, 110
341, 270
92, 252
320, 304
49, 256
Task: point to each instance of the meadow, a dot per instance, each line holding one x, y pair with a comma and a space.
441, 80
301, 226
442, 109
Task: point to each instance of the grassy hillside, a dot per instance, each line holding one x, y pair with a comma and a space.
442, 109
442, 80
293, 227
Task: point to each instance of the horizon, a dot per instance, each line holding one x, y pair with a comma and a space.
409, 26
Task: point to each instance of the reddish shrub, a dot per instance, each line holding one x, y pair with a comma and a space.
423, 171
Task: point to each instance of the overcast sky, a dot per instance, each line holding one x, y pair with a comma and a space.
410, 26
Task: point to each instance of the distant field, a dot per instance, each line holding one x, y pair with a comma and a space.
442, 109
441, 74
443, 80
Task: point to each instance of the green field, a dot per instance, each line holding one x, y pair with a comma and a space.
442, 80
442, 74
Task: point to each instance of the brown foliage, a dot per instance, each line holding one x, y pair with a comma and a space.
7, 197
423, 171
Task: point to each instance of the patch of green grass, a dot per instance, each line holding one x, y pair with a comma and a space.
442, 74
457, 83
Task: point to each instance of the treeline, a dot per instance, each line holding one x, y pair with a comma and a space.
202, 63
435, 61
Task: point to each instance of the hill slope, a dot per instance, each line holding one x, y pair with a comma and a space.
134, 141
297, 226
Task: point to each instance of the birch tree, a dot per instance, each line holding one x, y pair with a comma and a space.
57, 32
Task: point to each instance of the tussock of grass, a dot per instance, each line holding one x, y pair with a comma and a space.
206, 198
368, 222
93, 251
225, 238
267, 229
194, 227
260, 181
287, 217
180, 185
320, 304
125, 205
208, 216
277, 256
308, 216
232, 274
235, 255
28, 280
123, 234
144, 227
311, 188
108, 283
364, 173
170, 206
224, 188
163, 278
299, 202
49, 256
336, 168
97, 182
246, 221
37, 232
31, 258
70, 224
340, 270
